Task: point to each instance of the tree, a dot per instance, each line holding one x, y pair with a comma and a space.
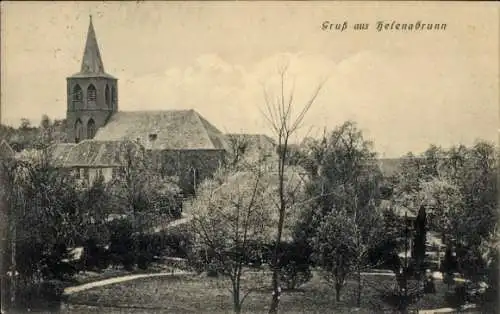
458, 187
344, 183
420, 238
25, 124
343, 243
279, 114
43, 219
138, 186
139, 192
229, 214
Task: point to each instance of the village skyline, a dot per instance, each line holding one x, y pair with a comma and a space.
405, 90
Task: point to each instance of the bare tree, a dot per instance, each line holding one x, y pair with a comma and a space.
229, 215
279, 115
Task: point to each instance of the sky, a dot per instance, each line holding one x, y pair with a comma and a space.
405, 90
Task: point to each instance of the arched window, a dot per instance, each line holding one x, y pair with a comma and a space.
113, 95
90, 129
91, 94
78, 131
77, 94
107, 95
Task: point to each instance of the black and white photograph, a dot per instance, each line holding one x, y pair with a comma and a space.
249, 157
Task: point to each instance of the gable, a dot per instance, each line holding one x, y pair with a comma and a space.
6, 150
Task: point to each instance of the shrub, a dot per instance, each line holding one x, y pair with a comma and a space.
147, 246
294, 262
46, 295
94, 256
294, 275
121, 248
176, 243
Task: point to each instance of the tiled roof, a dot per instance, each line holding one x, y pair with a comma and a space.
91, 153
60, 152
172, 129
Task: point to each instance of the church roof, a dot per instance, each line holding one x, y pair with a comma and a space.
92, 65
163, 130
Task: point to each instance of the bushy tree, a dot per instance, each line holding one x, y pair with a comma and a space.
342, 215
343, 244
43, 218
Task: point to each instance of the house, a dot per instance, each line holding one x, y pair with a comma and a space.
6, 151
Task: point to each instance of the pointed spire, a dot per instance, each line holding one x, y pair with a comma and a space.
92, 62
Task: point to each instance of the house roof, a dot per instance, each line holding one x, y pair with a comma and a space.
256, 144
172, 130
6, 150
60, 152
91, 153
92, 65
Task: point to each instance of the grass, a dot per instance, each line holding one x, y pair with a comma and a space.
200, 294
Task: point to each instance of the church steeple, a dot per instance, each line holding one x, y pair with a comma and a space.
92, 94
92, 61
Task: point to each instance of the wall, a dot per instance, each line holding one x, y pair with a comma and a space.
91, 174
99, 112
182, 163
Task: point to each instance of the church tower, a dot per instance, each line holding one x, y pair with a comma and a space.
92, 94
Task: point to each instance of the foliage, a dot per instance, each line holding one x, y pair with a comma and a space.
294, 263
40, 296
343, 244
341, 218
458, 189
28, 136
122, 249
140, 191
229, 213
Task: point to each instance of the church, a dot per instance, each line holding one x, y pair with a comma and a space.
181, 143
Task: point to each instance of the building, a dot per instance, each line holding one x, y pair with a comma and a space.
6, 151
180, 143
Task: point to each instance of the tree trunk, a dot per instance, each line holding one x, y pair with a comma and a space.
236, 300
236, 294
358, 299
338, 288
13, 270
275, 299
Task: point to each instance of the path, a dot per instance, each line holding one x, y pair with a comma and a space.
109, 281
174, 223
